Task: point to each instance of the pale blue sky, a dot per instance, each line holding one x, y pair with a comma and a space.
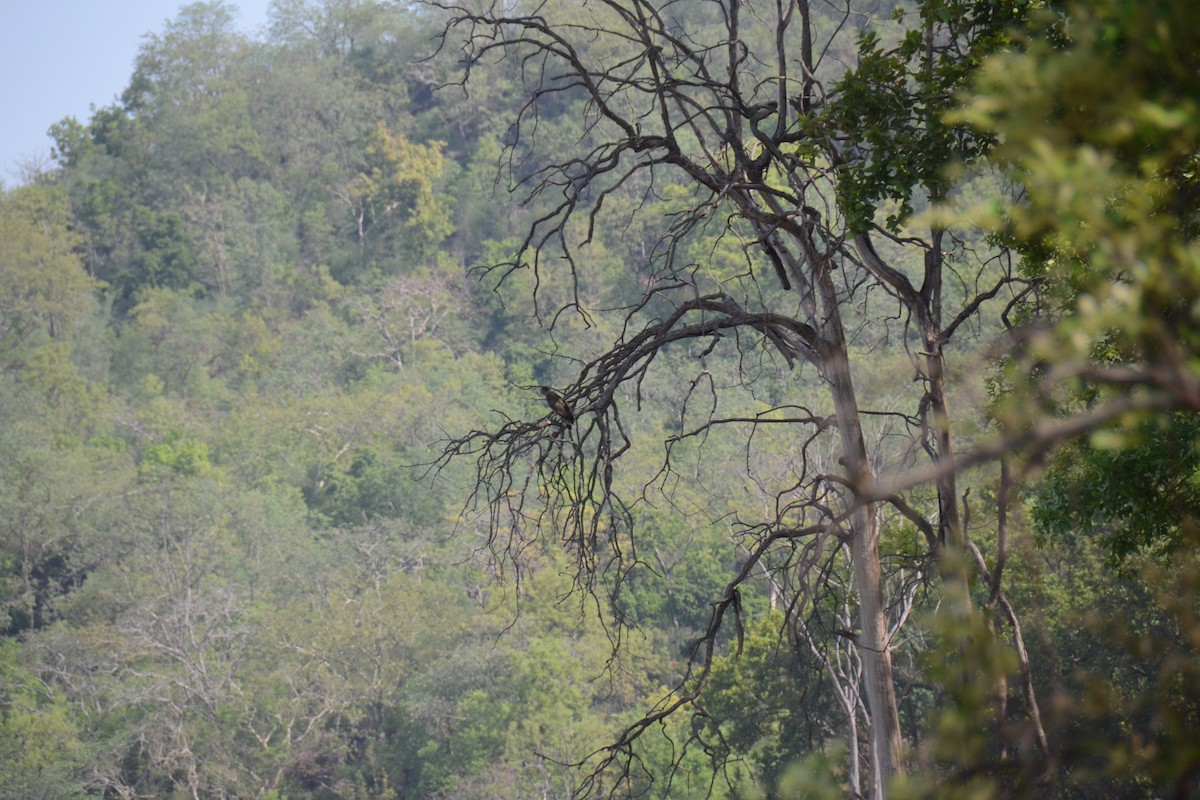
57, 57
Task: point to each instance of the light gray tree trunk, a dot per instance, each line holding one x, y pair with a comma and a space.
878, 683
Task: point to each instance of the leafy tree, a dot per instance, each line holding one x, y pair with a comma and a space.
1141, 496
165, 257
44, 290
766, 704
72, 408
399, 179
162, 635
171, 337
51, 483
40, 746
1098, 124
187, 96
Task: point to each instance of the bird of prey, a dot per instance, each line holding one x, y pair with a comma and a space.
557, 404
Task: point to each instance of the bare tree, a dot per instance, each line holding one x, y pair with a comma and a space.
751, 106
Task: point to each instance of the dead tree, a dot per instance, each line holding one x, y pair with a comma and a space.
743, 102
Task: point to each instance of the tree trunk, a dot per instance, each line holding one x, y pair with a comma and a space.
878, 685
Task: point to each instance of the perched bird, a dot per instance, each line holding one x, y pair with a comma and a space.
758, 113
557, 404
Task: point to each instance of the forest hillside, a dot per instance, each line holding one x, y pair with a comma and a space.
867, 467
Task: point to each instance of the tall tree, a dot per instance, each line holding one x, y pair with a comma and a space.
44, 291
812, 168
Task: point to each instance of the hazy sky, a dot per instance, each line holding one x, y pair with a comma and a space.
58, 57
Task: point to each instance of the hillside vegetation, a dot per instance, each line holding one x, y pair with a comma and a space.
881, 331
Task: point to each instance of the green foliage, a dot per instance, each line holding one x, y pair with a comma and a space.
41, 751
237, 316
686, 568
1098, 121
760, 701
165, 258
1116, 661
1138, 492
889, 106
174, 338
49, 483
74, 408
44, 291
182, 455
399, 179
1140, 737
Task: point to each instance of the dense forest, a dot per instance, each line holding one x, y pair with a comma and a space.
875, 333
